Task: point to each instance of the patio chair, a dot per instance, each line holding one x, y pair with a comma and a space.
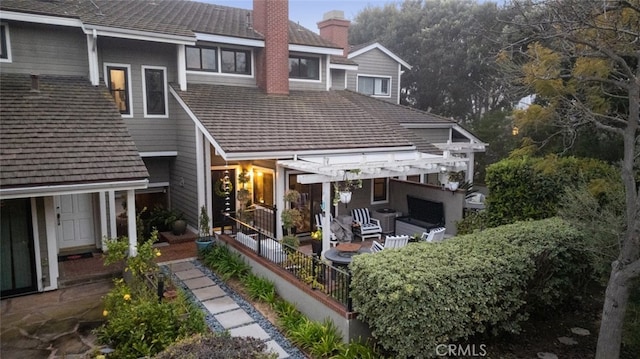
434, 235
369, 227
333, 241
390, 242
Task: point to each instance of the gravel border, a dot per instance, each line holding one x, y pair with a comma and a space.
274, 333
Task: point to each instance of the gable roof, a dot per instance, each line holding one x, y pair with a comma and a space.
167, 17
356, 50
245, 120
68, 133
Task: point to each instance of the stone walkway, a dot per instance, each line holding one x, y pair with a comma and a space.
225, 310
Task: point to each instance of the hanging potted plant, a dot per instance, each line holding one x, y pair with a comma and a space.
205, 239
291, 218
342, 190
455, 178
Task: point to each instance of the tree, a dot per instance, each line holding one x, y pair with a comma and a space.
580, 59
451, 47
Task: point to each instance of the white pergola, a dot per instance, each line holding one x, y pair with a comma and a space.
338, 167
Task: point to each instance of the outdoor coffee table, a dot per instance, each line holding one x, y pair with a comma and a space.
343, 253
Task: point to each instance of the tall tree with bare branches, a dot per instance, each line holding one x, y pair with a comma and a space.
581, 60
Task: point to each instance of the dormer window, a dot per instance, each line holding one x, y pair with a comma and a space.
217, 60
235, 61
307, 68
374, 86
202, 58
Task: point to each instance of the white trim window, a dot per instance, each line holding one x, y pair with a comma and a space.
200, 58
375, 85
379, 190
235, 61
304, 68
154, 89
5, 43
117, 78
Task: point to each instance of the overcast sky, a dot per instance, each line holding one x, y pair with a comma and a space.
308, 12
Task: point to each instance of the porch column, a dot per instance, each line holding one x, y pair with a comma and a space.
200, 169
111, 197
470, 166
104, 231
326, 206
131, 223
207, 176
182, 67
52, 242
280, 189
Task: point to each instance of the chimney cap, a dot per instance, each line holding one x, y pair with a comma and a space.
333, 14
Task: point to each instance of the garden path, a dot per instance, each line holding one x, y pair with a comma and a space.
224, 309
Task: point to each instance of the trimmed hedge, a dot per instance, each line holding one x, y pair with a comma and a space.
530, 188
427, 294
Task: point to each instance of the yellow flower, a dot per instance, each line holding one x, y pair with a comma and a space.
158, 254
105, 313
100, 356
127, 297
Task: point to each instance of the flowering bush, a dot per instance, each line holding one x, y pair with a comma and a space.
138, 325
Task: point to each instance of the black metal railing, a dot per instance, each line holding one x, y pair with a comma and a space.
308, 269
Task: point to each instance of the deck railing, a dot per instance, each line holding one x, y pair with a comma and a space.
308, 269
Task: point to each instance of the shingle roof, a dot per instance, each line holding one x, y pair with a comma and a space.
69, 132
170, 17
245, 119
342, 60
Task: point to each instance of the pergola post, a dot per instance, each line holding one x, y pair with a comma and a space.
326, 207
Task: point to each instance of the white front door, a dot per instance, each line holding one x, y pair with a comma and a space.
75, 220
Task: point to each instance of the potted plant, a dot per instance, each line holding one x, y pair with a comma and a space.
316, 242
205, 239
244, 198
344, 189
455, 178
175, 220
291, 218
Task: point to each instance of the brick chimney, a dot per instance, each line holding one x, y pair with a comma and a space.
335, 28
271, 19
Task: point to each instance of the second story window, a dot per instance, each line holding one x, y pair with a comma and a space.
118, 84
202, 58
235, 61
155, 91
307, 68
5, 46
375, 86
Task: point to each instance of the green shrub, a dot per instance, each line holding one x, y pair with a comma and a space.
531, 188
321, 339
139, 325
214, 346
259, 288
472, 221
226, 263
427, 294
358, 350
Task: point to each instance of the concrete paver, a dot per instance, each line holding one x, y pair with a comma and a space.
181, 266
233, 318
219, 305
200, 282
274, 347
251, 330
206, 293
189, 274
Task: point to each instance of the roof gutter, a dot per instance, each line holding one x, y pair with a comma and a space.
40, 191
139, 35
242, 156
41, 19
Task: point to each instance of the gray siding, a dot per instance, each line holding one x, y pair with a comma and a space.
337, 79
376, 63
150, 134
47, 49
432, 135
184, 190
